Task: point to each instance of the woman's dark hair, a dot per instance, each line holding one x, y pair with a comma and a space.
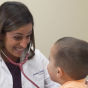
14, 15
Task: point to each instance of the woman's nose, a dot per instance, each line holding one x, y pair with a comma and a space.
24, 42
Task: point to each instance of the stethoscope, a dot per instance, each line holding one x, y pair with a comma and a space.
20, 65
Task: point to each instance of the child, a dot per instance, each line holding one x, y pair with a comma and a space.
69, 62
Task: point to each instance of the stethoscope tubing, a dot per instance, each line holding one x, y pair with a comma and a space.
20, 66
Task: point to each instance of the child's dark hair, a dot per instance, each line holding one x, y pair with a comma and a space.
72, 57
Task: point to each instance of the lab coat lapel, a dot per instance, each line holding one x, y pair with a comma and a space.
4, 65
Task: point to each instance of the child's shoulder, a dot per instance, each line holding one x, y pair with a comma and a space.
74, 84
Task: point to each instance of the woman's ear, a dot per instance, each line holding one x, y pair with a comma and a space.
59, 72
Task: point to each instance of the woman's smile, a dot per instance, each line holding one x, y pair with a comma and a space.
19, 50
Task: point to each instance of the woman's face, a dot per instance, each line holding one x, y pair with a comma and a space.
16, 41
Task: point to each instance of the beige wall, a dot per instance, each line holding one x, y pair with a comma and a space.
57, 18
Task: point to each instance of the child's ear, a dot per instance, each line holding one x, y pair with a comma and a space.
59, 72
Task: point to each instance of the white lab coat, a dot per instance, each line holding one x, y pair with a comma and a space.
35, 69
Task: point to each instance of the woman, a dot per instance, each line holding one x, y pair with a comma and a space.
16, 39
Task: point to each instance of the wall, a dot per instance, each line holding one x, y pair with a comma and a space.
57, 18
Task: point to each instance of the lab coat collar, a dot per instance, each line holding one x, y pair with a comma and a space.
4, 65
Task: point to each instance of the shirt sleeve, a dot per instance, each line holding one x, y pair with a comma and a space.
48, 83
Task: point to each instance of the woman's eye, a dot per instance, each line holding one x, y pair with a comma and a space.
28, 36
17, 37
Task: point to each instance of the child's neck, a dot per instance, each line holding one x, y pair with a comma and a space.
65, 79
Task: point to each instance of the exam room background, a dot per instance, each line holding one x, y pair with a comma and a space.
54, 19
